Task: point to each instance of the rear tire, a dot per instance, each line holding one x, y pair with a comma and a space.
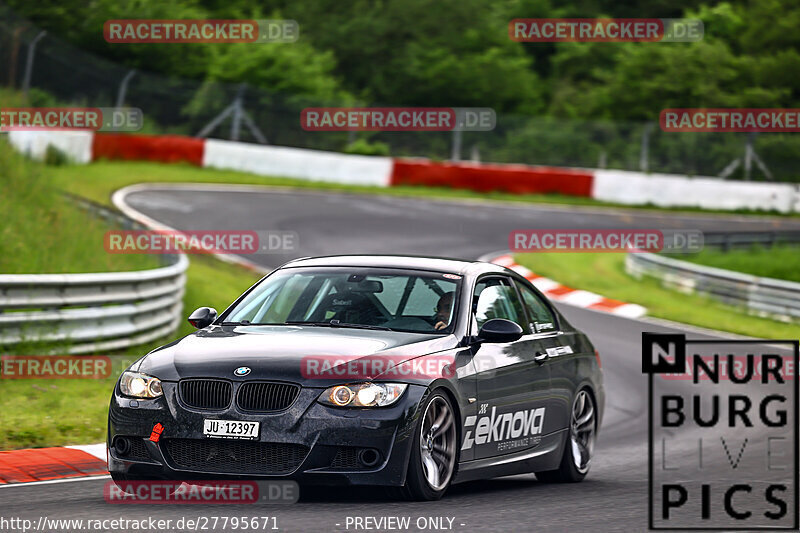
434, 452
576, 456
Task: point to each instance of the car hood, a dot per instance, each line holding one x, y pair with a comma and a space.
280, 352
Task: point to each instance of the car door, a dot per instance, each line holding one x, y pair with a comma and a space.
559, 350
512, 385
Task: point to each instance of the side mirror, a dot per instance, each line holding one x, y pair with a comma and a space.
500, 330
203, 317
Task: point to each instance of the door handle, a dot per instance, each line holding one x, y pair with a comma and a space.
540, 357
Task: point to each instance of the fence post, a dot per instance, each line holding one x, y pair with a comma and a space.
236, 120
455, 153
475, 154
748, 156
12, 69
644, 154
29, 62
236, 109
123, 88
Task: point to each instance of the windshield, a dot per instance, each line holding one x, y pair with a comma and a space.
352, 297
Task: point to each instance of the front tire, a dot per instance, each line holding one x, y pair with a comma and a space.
434, 451
579, 444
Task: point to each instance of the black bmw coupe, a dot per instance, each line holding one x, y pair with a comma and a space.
407, 372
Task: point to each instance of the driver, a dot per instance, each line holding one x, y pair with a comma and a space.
443, 311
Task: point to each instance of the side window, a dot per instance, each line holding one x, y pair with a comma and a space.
541, 317
496, 298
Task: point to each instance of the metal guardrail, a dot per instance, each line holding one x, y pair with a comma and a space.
767, 239
93, 312
761, 296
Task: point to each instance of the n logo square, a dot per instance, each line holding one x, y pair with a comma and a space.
663, 353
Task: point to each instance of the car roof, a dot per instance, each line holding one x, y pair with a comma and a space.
437, 264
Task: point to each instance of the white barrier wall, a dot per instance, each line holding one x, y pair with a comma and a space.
617, 186
668, 190
299, 163
77, 145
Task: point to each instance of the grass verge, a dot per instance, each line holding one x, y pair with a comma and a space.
44, 233
780, 262
604, 273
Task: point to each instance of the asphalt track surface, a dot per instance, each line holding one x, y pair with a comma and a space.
614, 496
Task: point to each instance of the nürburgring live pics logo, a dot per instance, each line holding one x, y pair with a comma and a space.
723, 433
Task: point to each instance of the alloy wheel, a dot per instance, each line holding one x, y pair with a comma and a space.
582, 431
438, 443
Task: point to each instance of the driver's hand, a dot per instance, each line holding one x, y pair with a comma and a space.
440, 325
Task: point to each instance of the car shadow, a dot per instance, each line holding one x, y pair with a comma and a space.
324, 494
497, 488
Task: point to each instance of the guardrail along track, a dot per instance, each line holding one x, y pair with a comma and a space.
766, 239
761, 296
95, 311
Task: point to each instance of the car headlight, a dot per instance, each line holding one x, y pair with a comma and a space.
363, 394
140, 385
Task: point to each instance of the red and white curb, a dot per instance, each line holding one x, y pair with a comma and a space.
560, 293
47, 464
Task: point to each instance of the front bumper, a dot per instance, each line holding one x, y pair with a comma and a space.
314, 443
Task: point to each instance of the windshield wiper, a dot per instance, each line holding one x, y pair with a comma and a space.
364, 326
242, 323
336, 324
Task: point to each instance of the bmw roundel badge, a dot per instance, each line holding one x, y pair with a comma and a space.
241, 371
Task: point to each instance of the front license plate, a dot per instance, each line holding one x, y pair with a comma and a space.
230, 429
